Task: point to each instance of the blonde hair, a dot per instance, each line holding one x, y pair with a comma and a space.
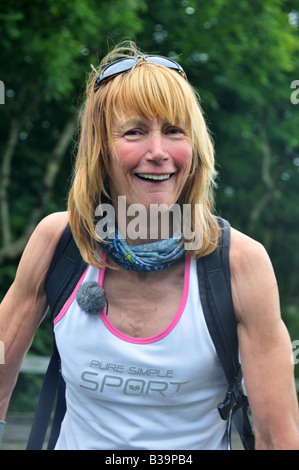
149, 90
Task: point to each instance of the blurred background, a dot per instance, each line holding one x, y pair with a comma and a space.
241, 55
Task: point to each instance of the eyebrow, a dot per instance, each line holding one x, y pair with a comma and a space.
136, 121
132, 122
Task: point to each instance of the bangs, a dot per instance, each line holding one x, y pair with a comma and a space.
149, 91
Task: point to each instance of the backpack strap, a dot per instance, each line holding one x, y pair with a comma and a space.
216, 298
45, 404
65, 270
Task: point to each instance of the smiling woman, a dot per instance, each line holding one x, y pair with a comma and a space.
144, 142
146, 124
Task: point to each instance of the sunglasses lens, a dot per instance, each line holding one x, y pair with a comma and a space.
123, 65
169, 63
120, 66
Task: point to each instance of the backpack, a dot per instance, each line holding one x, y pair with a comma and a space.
65, 270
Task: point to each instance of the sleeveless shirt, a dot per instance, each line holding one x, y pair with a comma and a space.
156, 393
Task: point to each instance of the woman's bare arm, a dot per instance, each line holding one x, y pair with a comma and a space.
25, 304
265, 346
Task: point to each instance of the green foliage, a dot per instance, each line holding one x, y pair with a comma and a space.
242, 57
26, 393
52, 42
47, 48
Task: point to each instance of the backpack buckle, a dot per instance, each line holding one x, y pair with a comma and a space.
226, 405
234, 397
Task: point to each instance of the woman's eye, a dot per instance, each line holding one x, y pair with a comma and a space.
133, 133
174, 130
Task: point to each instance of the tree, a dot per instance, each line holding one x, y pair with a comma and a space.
47, 49
242, 57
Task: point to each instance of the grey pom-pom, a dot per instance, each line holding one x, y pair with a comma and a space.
91, 298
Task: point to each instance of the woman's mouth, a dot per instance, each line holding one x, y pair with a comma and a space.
154, 177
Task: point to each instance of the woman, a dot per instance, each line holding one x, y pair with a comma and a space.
146, 375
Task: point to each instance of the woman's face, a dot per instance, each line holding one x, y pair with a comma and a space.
150, 161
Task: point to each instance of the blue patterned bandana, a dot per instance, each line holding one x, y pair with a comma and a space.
148, 257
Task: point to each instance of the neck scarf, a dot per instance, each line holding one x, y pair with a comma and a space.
148, 257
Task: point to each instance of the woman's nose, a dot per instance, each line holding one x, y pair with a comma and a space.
156, 150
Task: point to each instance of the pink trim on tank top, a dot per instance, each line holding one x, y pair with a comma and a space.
168, 329
119, 334
70, 299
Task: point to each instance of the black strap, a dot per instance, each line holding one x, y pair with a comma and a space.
60, 410
223, 321
216, 298
65, 270
45, 405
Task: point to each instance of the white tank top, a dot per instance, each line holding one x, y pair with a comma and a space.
151, 393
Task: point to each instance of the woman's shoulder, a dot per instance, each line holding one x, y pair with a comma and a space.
245, 250
48, 233
252, 274
41, 247
52, 225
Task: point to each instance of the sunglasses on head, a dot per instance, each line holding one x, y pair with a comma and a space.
123, 65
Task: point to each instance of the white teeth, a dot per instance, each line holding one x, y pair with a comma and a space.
155, 177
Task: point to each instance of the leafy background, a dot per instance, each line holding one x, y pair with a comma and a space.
242, 57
